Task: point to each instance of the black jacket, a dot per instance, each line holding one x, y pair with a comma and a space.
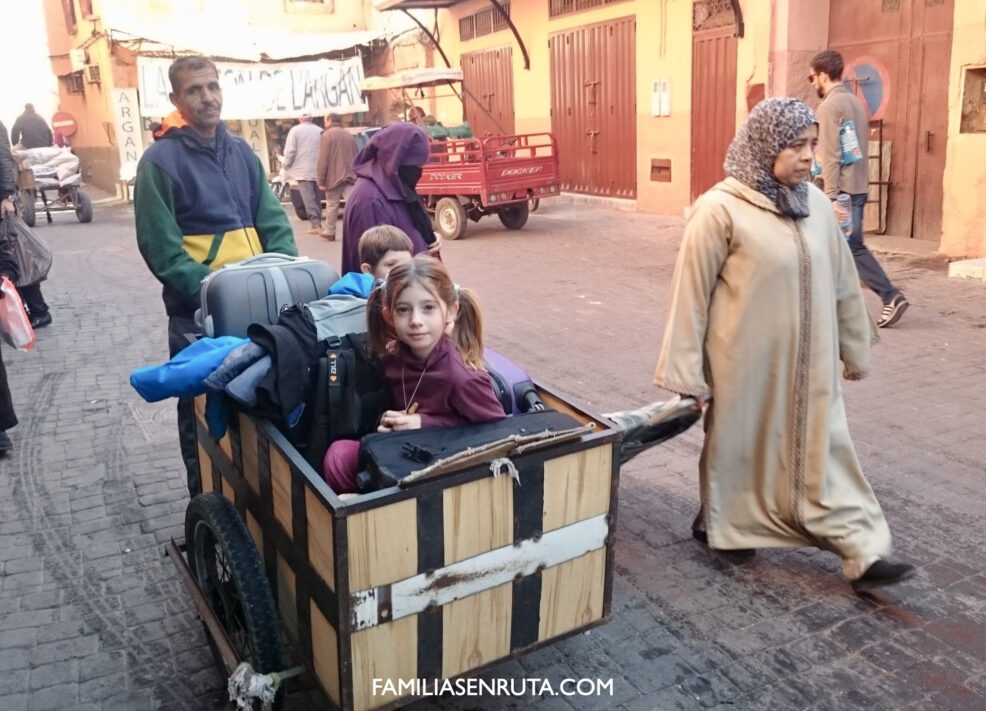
32, 131
8, 185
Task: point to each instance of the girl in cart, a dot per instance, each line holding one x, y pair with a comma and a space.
429, 333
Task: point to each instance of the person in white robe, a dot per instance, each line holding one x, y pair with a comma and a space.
765, 304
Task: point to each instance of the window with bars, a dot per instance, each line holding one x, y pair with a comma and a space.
484, 22
565, 7
710, 14
68, 9
74, 83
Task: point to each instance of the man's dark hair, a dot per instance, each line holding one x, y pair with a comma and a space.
29, 108
830, 62
183, 63
334, 119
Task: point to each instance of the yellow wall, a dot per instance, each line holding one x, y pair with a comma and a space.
661, 52
964, 210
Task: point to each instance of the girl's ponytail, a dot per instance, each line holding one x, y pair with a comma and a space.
381, 333
468, 330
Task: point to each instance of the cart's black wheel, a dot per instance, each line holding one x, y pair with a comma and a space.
26, 207
533, 204
83, 206
450, 218
515, 216
228, 570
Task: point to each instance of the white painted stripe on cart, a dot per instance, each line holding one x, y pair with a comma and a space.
482, 572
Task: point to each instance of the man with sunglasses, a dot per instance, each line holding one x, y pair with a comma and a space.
840, 107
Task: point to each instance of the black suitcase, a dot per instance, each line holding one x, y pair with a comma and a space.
256, 289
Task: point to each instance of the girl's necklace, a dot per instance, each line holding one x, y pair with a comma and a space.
409, 400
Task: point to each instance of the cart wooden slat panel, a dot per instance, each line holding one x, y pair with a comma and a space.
383, 652
476, 630
479, 517
325, 655
579, 485
572, 594
383, 546
440, 579
321, 550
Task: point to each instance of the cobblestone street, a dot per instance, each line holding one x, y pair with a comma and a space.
93, 616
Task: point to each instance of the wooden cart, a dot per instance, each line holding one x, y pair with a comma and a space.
426, 582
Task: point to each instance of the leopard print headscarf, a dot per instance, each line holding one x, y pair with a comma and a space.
772, 126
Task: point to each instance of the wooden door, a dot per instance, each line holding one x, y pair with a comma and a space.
897, 56
593, 107
488, 91
713, 104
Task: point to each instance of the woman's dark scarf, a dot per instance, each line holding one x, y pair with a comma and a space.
409, 176
772, 126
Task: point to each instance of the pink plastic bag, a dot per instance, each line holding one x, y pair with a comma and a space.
15, 326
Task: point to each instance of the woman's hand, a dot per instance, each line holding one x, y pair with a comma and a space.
393, 420
699, 402
435, 247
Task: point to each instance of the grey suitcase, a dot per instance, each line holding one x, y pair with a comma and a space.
256, 289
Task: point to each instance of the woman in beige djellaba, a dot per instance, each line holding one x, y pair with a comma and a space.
765, 304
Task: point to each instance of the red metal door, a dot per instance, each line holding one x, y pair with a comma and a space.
488, 79
593, 107
713, 104
897, 57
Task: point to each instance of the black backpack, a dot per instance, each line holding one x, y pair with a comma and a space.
348, 396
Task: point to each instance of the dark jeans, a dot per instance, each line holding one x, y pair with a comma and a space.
313, 206
870, 271
178, 327
33, 300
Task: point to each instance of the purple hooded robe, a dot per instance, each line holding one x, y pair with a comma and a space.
378, 197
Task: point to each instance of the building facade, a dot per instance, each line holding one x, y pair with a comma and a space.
644, 96
277, 61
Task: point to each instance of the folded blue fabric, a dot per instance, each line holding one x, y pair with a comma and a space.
182, 376
243, 388
235, 362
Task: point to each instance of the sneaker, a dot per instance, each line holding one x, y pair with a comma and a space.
40, 321
330, 236
893, 311
315, 229
881, 573
5, 444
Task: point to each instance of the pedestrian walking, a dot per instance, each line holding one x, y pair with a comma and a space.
765, 303
8, 268
30, 130
300, 165
387, 170
334, 173
843, 121
201, 200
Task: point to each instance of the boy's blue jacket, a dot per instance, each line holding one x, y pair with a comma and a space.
354, 284
182, 376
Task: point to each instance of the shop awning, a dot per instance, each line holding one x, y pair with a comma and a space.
424, 76
407, 5
238, 40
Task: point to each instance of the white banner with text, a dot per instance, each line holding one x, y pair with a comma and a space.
281, 90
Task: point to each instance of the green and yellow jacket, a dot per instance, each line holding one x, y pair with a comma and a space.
197, 207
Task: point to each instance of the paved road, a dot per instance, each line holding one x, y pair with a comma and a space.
93, 617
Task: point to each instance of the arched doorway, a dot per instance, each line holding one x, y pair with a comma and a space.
716, 26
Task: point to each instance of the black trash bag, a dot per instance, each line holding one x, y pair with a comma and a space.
31, 252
